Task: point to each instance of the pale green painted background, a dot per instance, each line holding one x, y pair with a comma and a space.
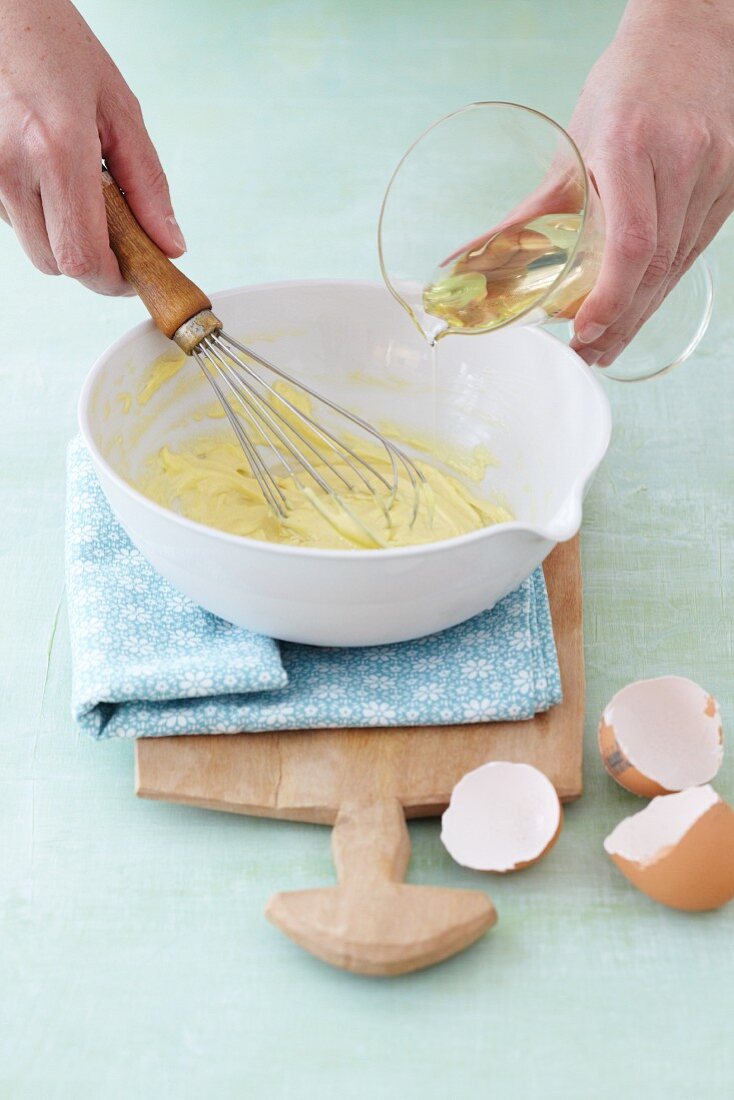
134, 957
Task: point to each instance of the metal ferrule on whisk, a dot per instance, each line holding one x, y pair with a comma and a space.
192, 332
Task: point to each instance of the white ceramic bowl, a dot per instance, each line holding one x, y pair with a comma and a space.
520, 392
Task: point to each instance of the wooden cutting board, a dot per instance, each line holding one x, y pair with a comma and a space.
365, 782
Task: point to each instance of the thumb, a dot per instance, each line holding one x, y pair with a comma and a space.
133, 161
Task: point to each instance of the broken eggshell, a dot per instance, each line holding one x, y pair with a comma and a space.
679, 850
661, 735
501, 817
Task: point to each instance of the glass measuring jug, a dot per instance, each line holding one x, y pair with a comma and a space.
491, 219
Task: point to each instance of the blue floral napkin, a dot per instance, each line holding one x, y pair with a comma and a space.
148, 662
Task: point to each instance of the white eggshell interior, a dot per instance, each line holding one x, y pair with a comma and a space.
669, 730
646, 836
500, 815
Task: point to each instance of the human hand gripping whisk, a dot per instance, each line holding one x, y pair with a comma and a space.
261, 401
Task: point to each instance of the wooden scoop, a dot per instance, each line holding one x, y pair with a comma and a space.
372, 922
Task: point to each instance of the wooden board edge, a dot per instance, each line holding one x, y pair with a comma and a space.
314, 815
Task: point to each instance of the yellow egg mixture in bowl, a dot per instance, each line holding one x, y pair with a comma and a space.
507, 440
209, 479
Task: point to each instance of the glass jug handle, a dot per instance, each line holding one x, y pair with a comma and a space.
670, 336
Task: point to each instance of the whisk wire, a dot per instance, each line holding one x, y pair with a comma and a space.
351, 459
268, 485
263, 417
245, 406
280, 425
394, 454
271, 410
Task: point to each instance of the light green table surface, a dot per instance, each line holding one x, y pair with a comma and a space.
135, 960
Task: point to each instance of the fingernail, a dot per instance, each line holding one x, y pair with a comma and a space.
174, 230
587, 334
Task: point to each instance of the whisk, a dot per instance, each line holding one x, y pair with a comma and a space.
276, 436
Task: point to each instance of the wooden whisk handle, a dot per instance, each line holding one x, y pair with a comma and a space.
170, 298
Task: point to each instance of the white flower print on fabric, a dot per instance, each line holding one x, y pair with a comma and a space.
148, 662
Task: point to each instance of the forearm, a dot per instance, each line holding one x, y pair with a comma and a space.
25, 28
681, 12
680, 23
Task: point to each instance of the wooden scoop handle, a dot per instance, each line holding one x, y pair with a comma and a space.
370, 845
170, 298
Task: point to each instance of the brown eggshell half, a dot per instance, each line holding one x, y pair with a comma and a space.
693, 873
662, 720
